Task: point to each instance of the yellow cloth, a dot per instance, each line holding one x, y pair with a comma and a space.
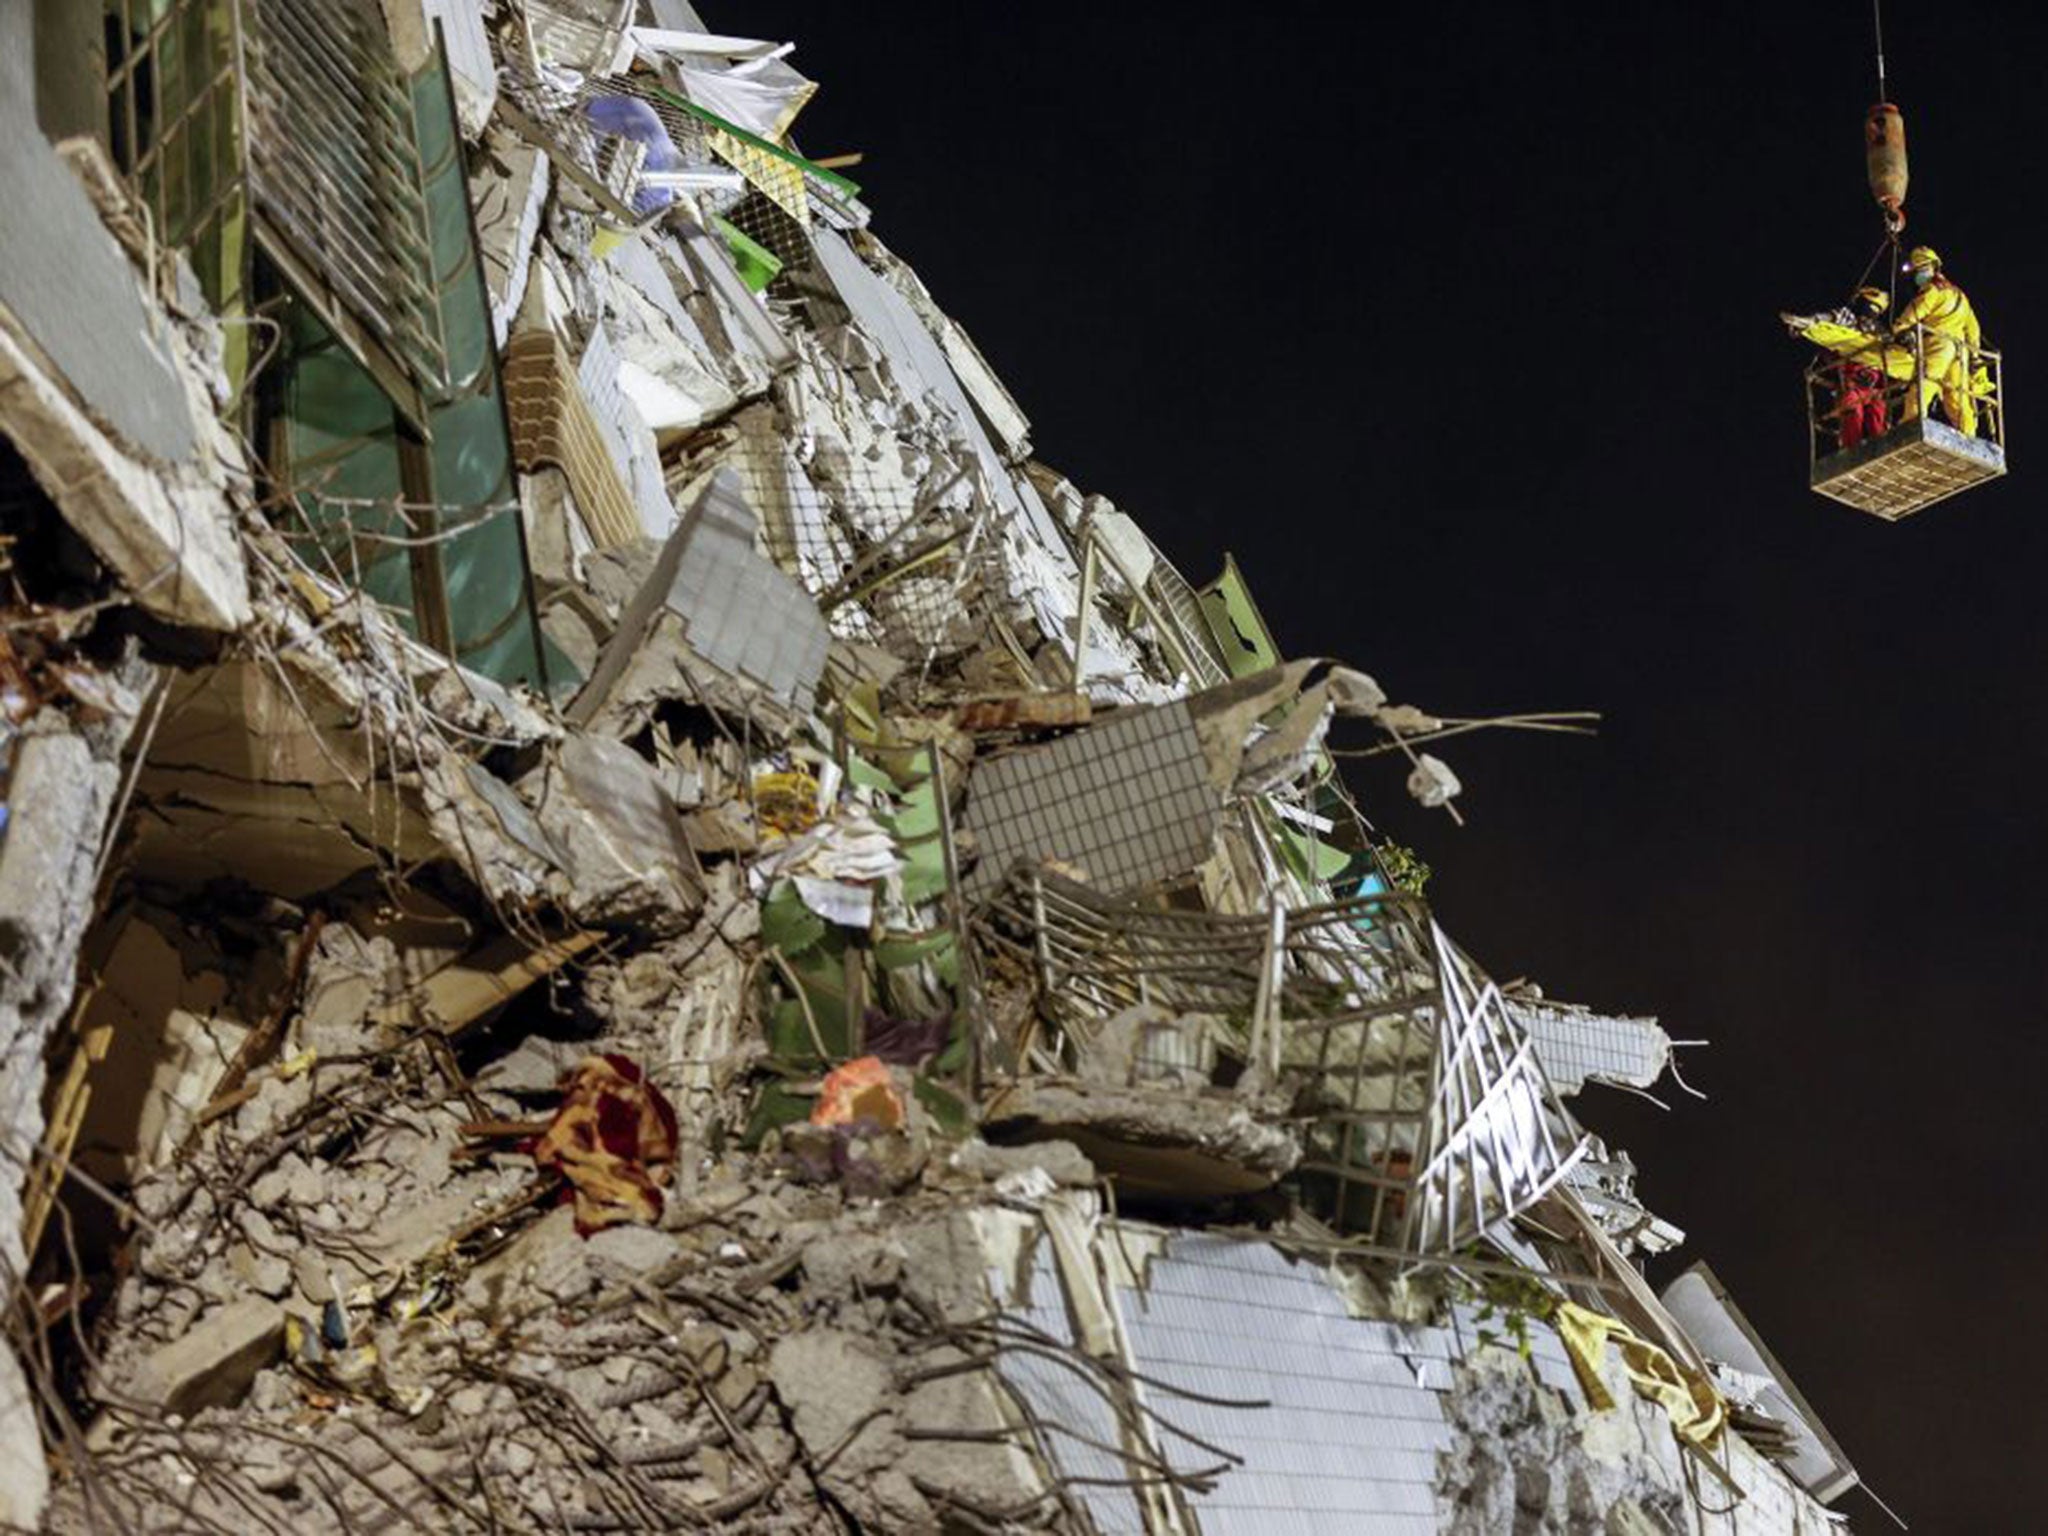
1696, 1410
1952, 337
1856, 346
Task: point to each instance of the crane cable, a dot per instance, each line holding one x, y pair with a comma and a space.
1889, 246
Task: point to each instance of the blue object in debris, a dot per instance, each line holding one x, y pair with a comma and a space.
628, 117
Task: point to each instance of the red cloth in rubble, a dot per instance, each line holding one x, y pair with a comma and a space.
611, 1139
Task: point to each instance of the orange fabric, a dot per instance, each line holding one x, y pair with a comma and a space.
612, 1139
859, 1090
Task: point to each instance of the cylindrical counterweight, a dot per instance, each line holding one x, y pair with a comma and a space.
1884, 152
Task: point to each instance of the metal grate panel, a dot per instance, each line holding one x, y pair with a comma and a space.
1129, 802
1914, 465
1183, 607
334, 165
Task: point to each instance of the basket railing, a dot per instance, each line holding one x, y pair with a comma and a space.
1854, 397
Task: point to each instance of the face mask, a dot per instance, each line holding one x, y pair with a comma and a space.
1922, 276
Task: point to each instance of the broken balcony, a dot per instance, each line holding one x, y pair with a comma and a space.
1426, 1118
1904, 459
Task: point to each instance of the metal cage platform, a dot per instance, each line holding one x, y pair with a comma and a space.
1914, 460
1914, 465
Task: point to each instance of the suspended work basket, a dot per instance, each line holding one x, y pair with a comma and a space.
1870, 447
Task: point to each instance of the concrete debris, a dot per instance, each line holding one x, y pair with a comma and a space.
633, 1018
1606, 1187
1579, 1046
624, 858
113, 417
1518, 1462
1432, 783
457, 996
1702, 1305
711, 603
1152, 1141
24, 1473
212, 1364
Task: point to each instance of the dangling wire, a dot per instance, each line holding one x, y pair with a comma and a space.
1877, 26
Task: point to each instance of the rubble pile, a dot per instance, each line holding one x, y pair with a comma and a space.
621, 913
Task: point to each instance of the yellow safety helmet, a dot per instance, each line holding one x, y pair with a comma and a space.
1923, 256
1878, 300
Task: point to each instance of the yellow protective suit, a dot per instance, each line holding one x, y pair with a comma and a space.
1951, 338
1859, 347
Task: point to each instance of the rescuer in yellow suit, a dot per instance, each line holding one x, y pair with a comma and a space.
1951, 337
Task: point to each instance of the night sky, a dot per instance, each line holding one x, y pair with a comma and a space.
1456, 324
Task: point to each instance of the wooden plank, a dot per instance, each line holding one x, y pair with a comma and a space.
473, 988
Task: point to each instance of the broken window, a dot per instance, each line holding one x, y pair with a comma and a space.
425, 521
277, 142
174, 128
1235, 623
282, 126
335, 169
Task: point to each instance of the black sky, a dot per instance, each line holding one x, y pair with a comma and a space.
1456, 324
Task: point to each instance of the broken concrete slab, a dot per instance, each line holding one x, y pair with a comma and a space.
171, 539
213, 1363
64, 264
60, 794
629, 1250
841, 1396
24, 1473
624, 856
1062, 1161
547, 1259
1578, 1046
1150, 1141
154, 1043
713, 601
254, 778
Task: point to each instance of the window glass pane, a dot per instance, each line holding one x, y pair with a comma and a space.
340, 456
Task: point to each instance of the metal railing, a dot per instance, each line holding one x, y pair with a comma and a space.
1425, 1116
1857, 397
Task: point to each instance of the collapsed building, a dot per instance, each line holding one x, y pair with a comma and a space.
622, 913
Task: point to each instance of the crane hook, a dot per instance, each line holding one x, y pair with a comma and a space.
1884, 155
